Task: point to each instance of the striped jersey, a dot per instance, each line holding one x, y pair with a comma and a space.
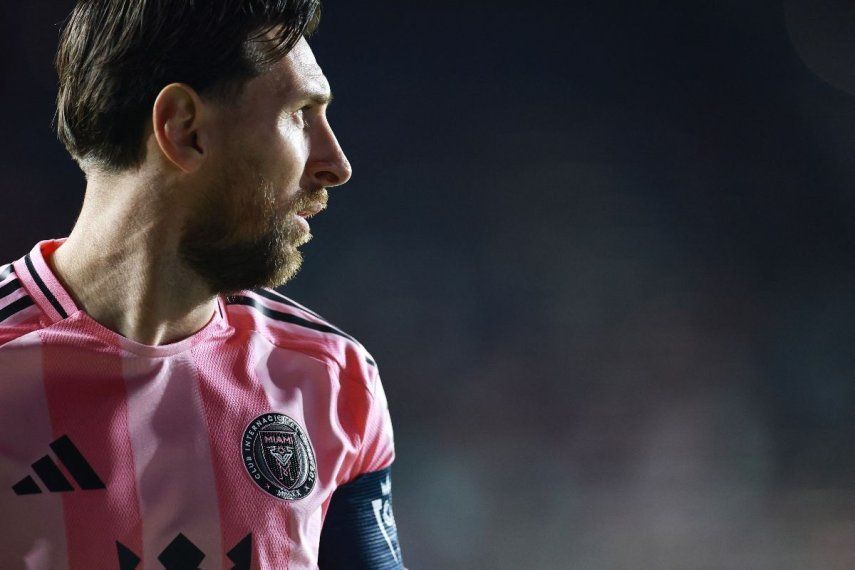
223, 450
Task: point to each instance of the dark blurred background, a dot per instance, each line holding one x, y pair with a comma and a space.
602, 252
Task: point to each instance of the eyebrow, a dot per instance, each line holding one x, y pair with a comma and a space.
320, 98
317, 97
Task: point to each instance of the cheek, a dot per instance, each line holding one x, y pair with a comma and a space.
276, 151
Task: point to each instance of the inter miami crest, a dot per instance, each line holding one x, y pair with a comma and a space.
279, 456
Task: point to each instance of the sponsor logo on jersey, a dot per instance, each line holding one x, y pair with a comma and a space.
279, 456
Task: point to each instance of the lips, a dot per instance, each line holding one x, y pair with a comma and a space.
310, 211
311, 202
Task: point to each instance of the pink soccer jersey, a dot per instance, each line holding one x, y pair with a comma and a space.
222, 450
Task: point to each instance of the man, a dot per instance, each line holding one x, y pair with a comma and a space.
160, 406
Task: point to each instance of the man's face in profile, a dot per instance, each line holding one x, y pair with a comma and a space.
269, 173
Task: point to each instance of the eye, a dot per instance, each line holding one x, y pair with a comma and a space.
300, 115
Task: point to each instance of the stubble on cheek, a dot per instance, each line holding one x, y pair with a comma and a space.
243, 238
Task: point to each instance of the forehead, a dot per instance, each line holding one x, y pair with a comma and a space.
298, 72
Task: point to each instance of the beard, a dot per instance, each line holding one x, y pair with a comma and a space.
240, 238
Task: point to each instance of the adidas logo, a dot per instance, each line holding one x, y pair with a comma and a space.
182, 554
51, 476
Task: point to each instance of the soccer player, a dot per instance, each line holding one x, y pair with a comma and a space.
160, 405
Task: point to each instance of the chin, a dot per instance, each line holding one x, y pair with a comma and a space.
286, 270
228, 266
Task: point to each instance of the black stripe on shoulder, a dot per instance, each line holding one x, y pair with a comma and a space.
14, 307
6, 272
292, 319
43, 287
274, 295
9, 288
282, 299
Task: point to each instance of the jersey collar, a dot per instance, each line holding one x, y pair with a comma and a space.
57, 304
42, 284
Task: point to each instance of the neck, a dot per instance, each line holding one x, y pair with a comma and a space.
121, 265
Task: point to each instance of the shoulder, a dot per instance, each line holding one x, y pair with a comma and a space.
289, 324
362, 405
19, 314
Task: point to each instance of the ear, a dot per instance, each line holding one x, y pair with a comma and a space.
178, 122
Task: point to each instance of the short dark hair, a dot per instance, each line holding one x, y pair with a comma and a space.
115, 56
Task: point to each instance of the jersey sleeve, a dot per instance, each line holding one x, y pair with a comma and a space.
359, 531
378, 447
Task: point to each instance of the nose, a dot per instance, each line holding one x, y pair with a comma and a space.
328, 166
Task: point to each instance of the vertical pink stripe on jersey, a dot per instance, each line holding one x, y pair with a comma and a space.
173, 456
300, 387
87, 402
32, 526
230, 406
